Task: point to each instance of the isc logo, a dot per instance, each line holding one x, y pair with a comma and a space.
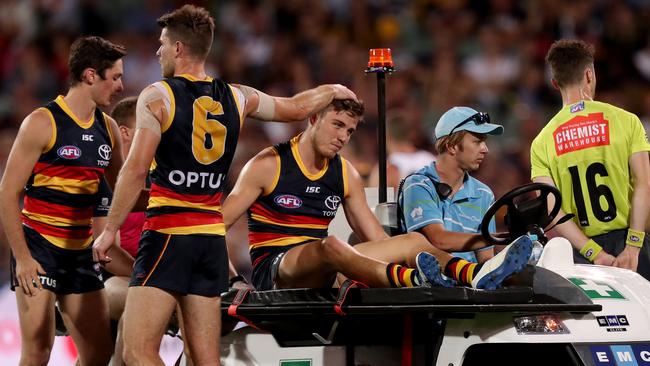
69, 152
288, 201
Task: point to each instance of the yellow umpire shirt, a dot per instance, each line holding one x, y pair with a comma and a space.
585, 149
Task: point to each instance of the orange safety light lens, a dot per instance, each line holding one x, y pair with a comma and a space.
380, 57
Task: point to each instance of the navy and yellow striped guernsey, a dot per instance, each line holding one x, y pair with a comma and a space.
60, 193
191, 161
299, 206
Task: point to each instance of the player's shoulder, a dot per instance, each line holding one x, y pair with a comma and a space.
266, 158
39, 118
611, 109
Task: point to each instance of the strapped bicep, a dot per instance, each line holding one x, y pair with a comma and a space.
152, 108
265, 103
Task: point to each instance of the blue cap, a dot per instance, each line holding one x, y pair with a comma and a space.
457, 115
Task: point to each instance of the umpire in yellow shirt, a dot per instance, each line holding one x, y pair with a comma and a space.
596, 154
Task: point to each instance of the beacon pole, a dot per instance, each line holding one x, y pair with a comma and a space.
380, 63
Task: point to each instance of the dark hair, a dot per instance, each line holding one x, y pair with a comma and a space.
92, 52
124, 109
191, 25
568, 59
350, 106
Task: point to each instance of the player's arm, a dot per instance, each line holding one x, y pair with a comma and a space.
422, 213
297, 108
34, 137
361, 219
640, 167
253, 181
453, 241
570, 231
122, 262
151, 112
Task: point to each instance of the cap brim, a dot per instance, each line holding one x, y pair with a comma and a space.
485, 128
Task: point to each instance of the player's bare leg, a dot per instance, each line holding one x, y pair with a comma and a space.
86, 318
145, 325
36, 315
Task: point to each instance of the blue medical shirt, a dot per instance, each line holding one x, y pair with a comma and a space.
461, 213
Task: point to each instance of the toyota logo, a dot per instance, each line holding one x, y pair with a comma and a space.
105, 152
332, 202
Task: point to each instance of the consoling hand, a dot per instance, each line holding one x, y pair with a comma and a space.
342, 92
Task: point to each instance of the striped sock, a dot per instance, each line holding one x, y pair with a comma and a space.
400, 276
462, 270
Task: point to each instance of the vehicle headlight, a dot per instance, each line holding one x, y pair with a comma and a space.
540, 324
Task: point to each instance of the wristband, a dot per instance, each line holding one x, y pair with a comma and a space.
635, 238
235, 279
591, 250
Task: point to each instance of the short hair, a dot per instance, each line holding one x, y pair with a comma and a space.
568, 58
123, 110
455, 139
191, 25
92, 52
350, 106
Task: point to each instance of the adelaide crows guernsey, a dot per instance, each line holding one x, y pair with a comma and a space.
60, 193
585, 148
196, 148
299, 206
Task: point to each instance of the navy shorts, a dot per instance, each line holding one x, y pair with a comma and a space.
266, 264
184, 264
613, 243
67, 271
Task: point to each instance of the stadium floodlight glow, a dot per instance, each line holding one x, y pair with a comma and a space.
540, 324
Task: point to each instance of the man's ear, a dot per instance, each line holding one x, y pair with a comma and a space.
452, 149
124, 131
555, 85
589, 75
89, 75
179, 47
313, 119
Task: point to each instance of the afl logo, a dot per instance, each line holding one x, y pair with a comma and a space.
105, 152
69, 152
288, 201
332, 202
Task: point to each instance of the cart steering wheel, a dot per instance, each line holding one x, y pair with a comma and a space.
522, 217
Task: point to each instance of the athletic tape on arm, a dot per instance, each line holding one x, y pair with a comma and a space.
266, 106
144, 117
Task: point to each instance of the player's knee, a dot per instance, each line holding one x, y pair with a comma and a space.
333, 249
35, 355
416, 238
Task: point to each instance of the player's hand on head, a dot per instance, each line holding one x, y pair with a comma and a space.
102, 246
342, 92
628, 258
27, 271
604, 259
